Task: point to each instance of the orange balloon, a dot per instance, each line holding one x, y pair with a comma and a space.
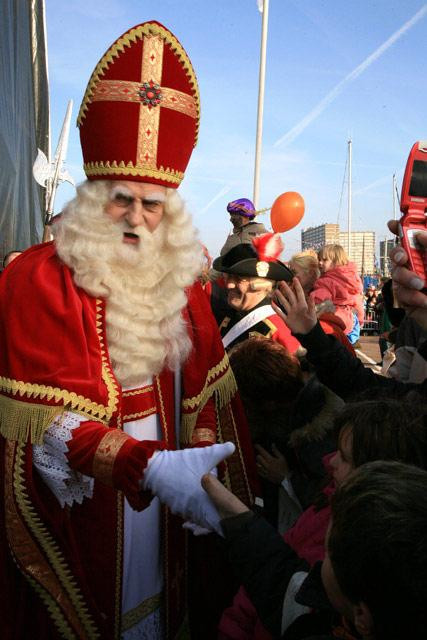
287, 211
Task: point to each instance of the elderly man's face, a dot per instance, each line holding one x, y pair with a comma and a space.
136, 204
240, 296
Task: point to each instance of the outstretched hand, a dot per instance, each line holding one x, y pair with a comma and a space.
297, 312
226, 503
174, 477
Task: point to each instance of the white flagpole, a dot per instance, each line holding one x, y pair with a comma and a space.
349, 201
260, 100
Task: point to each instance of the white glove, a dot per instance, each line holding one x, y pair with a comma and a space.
174, 477
194, 528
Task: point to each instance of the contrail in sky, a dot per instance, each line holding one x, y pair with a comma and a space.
219, 195
372, 185
314, 113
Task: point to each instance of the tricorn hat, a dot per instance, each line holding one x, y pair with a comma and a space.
256, 260
139, 118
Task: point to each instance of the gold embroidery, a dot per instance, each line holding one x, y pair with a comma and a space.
203, 435
125, 41
149, 117
27, 554
140, 414
148, 138
179, 101
135, 615
162, 411
257, 334
137, 392
68, 398
106, 454
114, 168
272, 326
107, 376
23, 421
212, 373
117, 91
55, 595
269, 334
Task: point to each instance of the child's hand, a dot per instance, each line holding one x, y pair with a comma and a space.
272, 467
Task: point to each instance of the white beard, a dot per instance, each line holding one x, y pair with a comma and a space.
144, 285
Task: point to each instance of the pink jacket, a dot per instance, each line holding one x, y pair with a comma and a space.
344, 287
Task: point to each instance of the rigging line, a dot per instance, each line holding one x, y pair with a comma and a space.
342, 190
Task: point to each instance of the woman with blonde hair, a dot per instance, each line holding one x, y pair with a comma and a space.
340, 282
305, 266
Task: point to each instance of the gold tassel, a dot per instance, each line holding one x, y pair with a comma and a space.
224, 388
25, 421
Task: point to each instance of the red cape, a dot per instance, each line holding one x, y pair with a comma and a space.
53, 357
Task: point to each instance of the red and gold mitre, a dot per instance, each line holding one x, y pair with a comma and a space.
140, 114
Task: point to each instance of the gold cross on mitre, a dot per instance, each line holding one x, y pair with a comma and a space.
146, 90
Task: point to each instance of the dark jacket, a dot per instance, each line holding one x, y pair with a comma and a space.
343, 373
265, 564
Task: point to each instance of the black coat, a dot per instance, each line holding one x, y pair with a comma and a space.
265, 564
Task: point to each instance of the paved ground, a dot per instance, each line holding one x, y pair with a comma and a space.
369, 352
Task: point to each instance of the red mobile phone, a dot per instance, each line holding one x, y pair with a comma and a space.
413, 204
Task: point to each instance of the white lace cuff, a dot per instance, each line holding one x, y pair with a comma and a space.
49, 459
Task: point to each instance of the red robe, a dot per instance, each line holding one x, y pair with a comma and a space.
61, 568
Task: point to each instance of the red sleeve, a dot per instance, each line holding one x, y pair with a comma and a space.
283, 335
204, 432
112, 457
339, 335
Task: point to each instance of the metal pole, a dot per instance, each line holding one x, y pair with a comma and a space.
394, 196
349, 202
260, 101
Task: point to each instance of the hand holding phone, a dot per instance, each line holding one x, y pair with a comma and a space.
413, 204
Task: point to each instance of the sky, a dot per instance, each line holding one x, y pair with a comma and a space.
335, 70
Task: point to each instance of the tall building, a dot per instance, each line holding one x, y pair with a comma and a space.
362, 244
362, 249
316, 237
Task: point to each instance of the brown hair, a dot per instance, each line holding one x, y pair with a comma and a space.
386, 429
268, 379
378, 546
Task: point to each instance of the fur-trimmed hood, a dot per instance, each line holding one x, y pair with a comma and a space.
312, 416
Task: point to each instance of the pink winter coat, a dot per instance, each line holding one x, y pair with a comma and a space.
344, 287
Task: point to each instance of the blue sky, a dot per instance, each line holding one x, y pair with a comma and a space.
334, 69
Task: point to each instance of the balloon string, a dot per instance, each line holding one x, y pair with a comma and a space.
260, 211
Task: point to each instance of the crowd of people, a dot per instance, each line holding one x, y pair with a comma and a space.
191, 450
